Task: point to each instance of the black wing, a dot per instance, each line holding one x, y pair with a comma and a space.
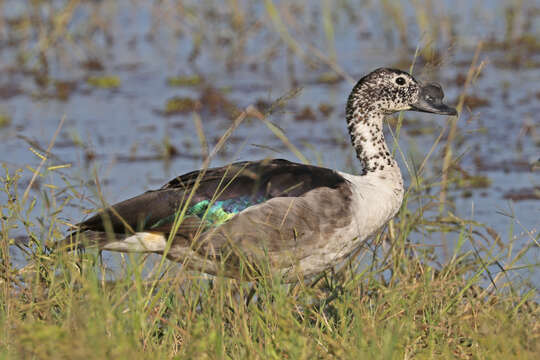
266, 178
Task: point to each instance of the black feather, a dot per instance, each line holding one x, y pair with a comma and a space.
266, 178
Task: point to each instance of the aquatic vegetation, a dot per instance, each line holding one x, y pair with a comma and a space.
5, 120
305, 114
475, 181
180, 105
184, 80
104, 82
64, 89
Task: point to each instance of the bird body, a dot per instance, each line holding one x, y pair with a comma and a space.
298, 219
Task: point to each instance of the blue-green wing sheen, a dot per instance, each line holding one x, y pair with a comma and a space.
220, 211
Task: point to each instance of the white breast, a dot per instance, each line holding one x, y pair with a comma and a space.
377, 198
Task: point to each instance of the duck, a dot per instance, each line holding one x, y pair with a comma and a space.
274, 216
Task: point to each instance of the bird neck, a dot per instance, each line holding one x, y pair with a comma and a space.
367, 137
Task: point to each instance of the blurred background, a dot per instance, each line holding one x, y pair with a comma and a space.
142, 90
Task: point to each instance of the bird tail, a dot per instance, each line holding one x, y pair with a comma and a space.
142, 242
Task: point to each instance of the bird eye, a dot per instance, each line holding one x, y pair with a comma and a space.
400, 81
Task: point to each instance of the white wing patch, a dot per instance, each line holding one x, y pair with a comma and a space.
140, 242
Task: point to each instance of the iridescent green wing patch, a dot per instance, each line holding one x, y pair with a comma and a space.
223, 210
215, 215
219, 211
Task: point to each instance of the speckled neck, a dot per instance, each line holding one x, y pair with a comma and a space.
365, 124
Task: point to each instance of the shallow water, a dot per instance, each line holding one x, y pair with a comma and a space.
118, 134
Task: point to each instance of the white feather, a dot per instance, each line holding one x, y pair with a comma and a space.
140, 242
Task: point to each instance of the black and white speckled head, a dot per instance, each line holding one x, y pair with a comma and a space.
390, 90
383, 92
